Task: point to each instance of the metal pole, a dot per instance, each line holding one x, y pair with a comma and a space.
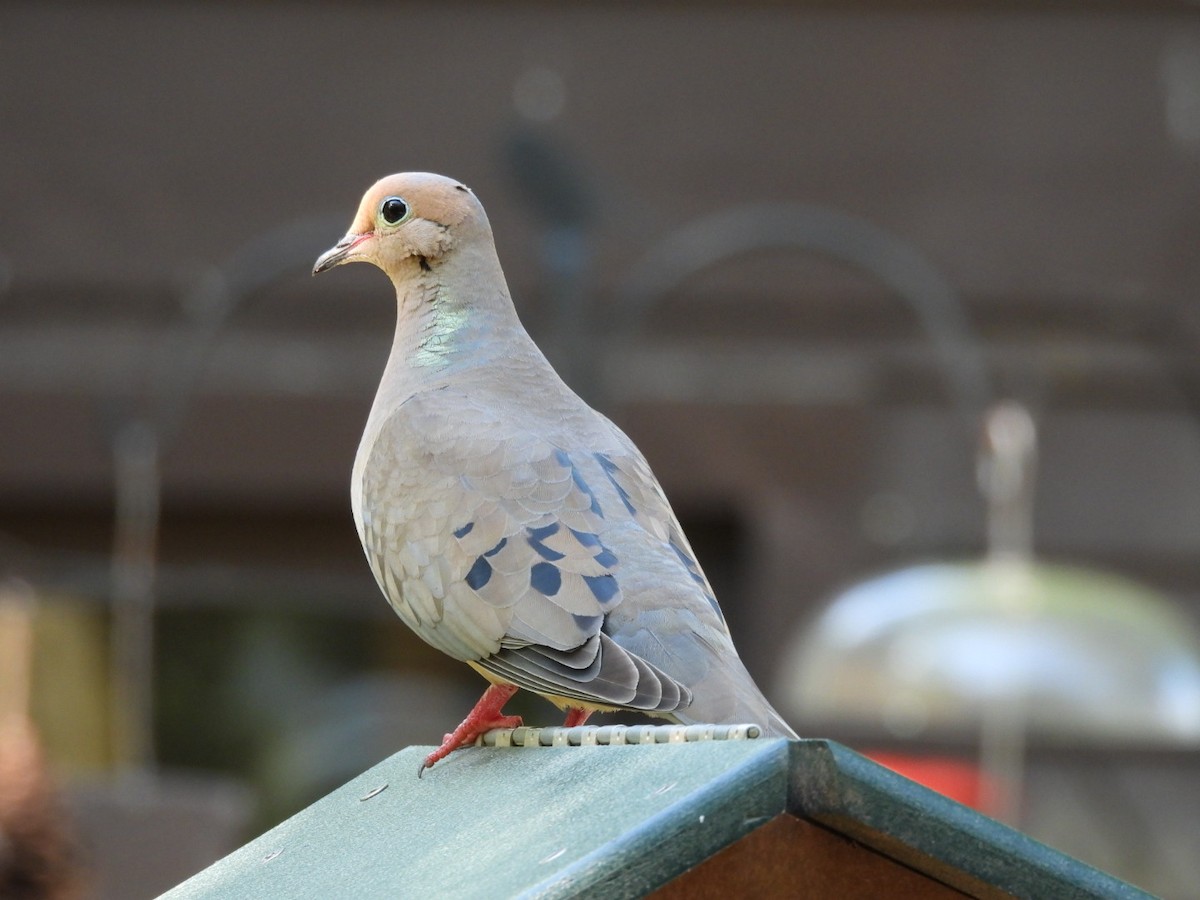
138, 444
135, 449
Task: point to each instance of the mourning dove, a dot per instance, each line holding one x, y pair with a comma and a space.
509, 524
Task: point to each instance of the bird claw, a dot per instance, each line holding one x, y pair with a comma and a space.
483, 718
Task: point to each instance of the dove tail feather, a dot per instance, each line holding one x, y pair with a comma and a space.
730, 696
598, 673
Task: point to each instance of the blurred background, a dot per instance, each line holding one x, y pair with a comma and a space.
798, 252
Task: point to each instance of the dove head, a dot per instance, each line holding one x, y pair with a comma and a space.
408, 223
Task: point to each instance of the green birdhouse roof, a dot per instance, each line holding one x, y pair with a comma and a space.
684, 819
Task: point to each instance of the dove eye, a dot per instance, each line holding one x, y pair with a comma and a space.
393, 209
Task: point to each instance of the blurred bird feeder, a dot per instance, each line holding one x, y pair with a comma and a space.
1003, 648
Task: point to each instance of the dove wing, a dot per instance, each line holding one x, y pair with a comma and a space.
488, 540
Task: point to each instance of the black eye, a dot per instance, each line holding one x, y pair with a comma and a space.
393, 209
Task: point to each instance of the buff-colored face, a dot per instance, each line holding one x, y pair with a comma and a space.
407, 221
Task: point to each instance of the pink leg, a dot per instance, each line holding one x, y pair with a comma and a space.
484, 717
576, 716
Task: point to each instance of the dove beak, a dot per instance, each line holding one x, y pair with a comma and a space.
340, 252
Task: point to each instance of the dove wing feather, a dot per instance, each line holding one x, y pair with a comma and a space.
492, 549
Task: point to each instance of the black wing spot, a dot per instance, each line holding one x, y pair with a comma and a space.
693, 569
535, 537
587, 624
480, 574
610, 468
565, 461
603, 587
586, 538
545, 578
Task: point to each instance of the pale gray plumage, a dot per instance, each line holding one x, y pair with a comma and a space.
509, 524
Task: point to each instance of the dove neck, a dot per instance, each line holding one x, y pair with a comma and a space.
455, 315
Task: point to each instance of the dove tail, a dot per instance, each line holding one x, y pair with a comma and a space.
600, 673
730, 697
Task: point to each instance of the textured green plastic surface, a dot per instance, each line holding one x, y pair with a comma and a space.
550, 822
849, 794
618, 822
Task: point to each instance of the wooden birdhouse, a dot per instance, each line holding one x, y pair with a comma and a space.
652, 813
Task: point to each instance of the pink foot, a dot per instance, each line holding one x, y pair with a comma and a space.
576, 716
484, 717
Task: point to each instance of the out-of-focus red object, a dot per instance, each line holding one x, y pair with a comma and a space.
956, 778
